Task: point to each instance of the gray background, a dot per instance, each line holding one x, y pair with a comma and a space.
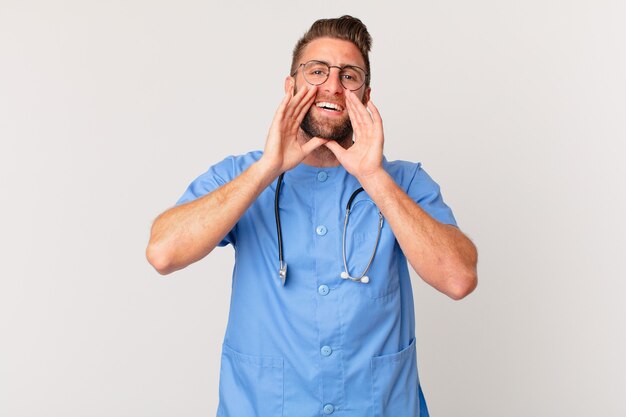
109, 109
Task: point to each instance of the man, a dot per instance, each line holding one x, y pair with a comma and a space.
334, 333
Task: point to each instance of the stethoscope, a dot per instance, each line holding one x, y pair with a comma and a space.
282, 265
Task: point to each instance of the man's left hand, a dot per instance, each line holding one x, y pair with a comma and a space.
364, 158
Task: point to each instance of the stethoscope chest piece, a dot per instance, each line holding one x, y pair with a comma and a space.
282, 272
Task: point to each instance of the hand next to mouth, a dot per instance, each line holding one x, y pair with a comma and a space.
364, 158
283, 151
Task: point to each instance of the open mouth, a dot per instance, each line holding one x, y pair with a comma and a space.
329, 106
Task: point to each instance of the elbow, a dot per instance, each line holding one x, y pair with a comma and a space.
462, 286
158, 259
464, 280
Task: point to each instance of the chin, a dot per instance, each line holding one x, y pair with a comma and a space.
316, 128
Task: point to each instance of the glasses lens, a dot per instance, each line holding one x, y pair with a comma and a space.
352, 78
316, 72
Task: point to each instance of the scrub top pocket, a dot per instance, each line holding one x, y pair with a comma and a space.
395, 384
250, 386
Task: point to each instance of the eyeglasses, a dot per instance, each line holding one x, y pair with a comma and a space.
316, 73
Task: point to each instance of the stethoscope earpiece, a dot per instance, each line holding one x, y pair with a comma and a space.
364, 279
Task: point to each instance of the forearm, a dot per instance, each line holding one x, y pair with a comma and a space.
441, 254
187, 233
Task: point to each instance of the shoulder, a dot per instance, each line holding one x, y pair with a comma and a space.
233, 165
421, 188
411, 177
401, 171
219, 174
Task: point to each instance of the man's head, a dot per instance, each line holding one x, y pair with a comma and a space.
344, 45
347, 28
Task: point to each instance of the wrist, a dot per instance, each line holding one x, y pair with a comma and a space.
266, 170
372, 177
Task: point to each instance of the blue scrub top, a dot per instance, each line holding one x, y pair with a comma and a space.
319, 345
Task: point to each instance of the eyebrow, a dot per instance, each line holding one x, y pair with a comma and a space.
342, 65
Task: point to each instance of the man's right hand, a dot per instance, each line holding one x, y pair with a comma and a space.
186, 233
283, 148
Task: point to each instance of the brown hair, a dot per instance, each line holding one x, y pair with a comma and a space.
347, 28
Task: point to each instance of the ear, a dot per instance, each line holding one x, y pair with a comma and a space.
289, 80
366, 95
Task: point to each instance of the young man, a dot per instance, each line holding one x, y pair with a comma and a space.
334, 333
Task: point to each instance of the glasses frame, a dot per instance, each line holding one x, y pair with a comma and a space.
365, 79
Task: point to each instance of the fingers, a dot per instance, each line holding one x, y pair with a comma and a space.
304, 105
374, 112
296, 101
360, 118
356, 118
352, 113
365, 119
313, 144
280, 111
359, 110
293, 108
378, 121
336, 149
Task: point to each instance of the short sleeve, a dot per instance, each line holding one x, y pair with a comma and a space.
426, 192
217, 175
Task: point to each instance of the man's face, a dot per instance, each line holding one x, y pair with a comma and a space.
324, 122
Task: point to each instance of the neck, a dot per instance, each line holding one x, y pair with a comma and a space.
322, 157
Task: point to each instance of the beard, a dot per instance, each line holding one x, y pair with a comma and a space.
338, 131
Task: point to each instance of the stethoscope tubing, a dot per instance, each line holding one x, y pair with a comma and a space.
346, 274
282, 271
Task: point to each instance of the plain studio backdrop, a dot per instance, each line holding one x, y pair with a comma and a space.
108, 109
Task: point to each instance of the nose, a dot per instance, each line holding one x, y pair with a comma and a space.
333, 84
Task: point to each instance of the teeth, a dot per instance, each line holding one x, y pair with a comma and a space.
324, 104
